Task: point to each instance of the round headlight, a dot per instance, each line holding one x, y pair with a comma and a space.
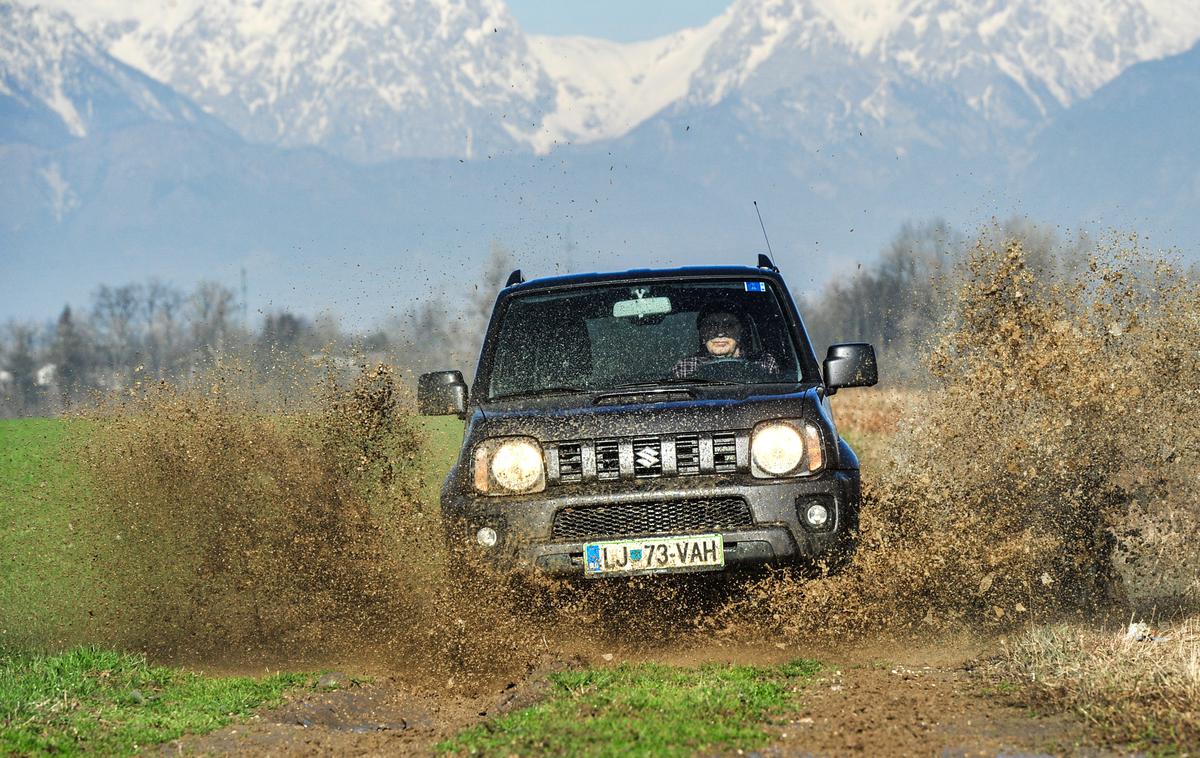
816, 515
777, 448
517, 465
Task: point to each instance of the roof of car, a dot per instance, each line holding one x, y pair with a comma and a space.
683, 272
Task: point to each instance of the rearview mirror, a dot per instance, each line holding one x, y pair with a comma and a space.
851, 364
641, 307
442, 393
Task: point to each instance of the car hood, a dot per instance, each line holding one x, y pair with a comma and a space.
691, 409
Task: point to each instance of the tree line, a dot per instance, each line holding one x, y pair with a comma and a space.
150, 331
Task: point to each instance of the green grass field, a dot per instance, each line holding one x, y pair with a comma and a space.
96, 701
645, 709
49, 556
443, 435
54, 597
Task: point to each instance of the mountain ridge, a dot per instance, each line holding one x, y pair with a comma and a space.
642, 166
467, 82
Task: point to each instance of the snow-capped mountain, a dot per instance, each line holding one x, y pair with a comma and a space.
57, 83
1068, 48
367, 79
837, 66
606, 89
380, 79
845, 118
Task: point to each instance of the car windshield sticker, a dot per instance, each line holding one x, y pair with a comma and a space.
756, 287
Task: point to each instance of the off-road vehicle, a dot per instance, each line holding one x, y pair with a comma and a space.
650, 421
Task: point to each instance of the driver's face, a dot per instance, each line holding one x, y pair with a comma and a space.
721, 333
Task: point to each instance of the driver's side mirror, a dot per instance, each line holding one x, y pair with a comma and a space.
851, 364
442, 393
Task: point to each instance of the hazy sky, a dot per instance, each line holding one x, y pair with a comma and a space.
621, 20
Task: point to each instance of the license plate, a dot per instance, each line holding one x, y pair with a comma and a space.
700, 552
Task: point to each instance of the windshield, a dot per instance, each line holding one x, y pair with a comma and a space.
615, 336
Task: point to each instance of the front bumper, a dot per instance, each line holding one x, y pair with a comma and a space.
778, 534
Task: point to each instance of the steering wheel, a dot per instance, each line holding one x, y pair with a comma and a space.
729, 369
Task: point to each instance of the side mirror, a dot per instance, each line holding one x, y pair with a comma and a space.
850, 365
442, 393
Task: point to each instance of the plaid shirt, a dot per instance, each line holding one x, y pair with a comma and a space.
688, 365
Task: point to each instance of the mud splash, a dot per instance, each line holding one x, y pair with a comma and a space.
236, 528
1050, 468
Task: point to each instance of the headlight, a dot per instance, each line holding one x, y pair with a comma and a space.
509, 466
816, 515
785, 448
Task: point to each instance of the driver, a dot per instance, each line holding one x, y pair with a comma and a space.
722, 327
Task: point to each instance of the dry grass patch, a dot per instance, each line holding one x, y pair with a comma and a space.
1138, 686
872, 411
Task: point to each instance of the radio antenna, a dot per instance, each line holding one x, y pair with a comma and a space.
764, 228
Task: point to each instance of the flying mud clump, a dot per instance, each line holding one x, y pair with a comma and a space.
1051, 467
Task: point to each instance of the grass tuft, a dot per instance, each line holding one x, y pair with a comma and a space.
644, 709
99, 701
1141, 688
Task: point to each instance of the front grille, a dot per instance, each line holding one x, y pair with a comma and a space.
724, 452
670, 517
570, 462
687, 454
649, 456
608, 459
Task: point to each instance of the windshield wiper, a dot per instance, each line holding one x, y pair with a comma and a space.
542, 391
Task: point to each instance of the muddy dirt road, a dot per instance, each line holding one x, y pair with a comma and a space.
889, 698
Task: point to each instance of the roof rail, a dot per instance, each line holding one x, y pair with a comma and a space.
765, 262
515, 278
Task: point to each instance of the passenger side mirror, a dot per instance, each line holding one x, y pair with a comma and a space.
850, 365
442, 393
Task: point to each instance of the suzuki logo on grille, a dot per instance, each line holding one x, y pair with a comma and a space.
647, 457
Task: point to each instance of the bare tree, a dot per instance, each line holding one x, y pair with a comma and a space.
160, 313
895, 302
114, 319
211, 307
467, 331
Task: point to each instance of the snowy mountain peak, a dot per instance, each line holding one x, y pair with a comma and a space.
379, 79
369, 79
56, 81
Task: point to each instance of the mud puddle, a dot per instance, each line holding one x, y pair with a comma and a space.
927, 701
885, 697
374, 713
